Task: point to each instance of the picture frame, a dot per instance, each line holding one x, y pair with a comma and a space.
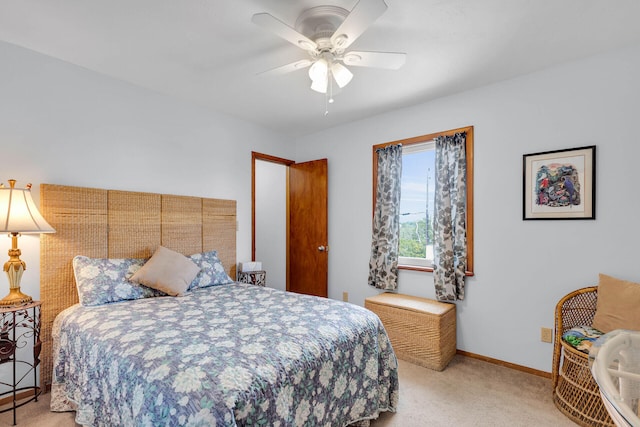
559, 184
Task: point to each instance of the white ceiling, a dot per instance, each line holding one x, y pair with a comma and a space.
210, 53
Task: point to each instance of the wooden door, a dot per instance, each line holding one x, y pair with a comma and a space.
308, 241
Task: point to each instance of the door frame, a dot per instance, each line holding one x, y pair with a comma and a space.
278, 160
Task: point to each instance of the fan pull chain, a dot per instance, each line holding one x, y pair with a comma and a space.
326, 103
328, 96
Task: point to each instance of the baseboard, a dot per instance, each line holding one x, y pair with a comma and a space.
19, 396
505, 364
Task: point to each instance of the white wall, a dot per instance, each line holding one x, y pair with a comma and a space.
62, 124
522, 267
271, 221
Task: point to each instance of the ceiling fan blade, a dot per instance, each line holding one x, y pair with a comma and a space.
364, 13
281, 29
387, 60
298, 65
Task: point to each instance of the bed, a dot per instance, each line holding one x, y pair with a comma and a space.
226, 354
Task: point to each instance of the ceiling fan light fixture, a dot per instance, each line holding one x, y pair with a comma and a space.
319, 70
341, 73
326, 32
320, 85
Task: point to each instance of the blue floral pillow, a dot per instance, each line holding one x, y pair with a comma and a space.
211, 273
103, 281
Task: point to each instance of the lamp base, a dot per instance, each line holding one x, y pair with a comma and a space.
15, 298
14, 269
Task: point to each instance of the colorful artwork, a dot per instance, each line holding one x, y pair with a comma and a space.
557, 185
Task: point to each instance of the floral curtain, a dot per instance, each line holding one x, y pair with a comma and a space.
450, 217
383, 265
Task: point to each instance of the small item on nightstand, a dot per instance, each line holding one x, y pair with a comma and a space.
253, 277
252, 272
250, 266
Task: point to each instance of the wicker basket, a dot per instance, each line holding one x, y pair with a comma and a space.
422, 331
575, 392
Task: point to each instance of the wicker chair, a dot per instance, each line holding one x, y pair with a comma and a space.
575, 392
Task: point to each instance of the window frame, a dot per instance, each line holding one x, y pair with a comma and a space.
469, 157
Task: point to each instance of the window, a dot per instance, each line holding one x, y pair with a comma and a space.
416, 205
417, 199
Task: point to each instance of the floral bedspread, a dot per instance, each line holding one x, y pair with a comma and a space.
223, 356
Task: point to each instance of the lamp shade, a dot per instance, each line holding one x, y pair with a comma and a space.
18, 212
342, 75
319, 73
319, 70
320, 85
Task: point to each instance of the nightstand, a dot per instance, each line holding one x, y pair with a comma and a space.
20, 326
253, 277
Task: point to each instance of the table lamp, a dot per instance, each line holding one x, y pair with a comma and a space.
18, 215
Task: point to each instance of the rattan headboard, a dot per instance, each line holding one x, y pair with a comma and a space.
120, 224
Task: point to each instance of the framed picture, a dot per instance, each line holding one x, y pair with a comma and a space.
560, 184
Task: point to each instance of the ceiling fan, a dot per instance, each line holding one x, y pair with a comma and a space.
325, 32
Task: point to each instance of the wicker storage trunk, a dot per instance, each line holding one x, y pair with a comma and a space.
422, 331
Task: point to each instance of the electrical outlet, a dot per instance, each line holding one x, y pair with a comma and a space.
546, 335
345, 296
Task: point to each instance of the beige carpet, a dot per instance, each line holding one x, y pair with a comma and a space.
468, 393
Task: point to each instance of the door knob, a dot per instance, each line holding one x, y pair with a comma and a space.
323, 248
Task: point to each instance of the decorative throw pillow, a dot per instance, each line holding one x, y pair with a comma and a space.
618, 305
103, 281
167, 271
212, 271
